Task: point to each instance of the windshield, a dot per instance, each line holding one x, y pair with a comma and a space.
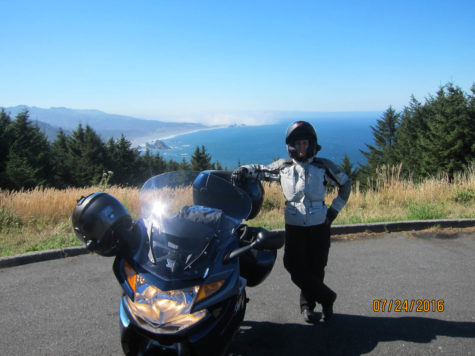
186, 214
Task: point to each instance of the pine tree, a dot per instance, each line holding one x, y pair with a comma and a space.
149, 165
408, 149
20, 172
201, 160
87, 152
5, 142
29, 158
447, 143
144, 166
184, 165
382, 152
347, 167
173, 166
95, 154
62, 163
122, 159
471, 126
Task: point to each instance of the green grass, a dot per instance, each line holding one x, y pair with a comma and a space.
18, 238
9, 221
464, 196
36, 237
55, 241
425, 211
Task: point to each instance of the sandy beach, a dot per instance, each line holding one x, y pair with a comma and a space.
141, 141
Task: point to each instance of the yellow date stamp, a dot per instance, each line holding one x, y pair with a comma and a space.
408, 305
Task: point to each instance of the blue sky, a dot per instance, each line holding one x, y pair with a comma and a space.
216, 59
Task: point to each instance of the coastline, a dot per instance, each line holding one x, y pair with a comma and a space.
192, 131
143, 140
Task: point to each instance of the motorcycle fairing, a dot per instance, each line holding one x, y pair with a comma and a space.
255, 265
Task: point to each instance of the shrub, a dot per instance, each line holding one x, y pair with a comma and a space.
464, 196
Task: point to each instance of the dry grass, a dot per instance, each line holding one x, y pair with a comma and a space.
41, 218
51, 206
390, 198
393, 199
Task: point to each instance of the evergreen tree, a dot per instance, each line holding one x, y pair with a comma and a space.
20, 172
347, 167
471, 125
29, 159
5, 142
447, 143
87, 152
382, 152
201, 160
144, 169
95, 154
173, 166
122, 160
75, 144
62, 163
111, 148
184, 165
437, 136
149, 165
408, 138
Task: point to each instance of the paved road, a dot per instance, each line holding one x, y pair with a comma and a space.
69, 306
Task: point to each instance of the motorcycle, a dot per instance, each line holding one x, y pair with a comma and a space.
185, 263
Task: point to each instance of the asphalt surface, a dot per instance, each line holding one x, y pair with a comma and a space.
69, 306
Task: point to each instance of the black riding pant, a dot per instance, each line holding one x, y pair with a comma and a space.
305, 258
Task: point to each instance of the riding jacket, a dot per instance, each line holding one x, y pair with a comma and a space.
304, 187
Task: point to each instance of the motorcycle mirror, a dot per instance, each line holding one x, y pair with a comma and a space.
237, 252
266, 240
269, 240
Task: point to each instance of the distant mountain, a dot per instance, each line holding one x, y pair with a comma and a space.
50, 131
107, 125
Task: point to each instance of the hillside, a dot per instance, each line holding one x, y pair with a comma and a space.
107, 125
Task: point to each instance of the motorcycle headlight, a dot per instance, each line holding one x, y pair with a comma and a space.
166, 311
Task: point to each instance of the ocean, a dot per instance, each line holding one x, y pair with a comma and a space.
263, 144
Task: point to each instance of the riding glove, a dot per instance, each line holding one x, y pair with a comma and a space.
239, 175
331, 215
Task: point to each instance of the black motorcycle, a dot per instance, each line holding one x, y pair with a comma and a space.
184, 265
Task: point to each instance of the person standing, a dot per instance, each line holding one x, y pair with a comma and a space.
303, 178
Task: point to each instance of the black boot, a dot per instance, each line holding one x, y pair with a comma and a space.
310, 316
327, 309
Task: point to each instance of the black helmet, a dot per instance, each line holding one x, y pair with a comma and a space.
95, 218
302, 130
254, 189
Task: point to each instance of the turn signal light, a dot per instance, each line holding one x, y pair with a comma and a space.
131, 275
208, 289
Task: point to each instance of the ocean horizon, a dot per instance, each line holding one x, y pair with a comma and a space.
234, 145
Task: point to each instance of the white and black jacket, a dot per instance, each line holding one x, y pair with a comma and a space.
304, 187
